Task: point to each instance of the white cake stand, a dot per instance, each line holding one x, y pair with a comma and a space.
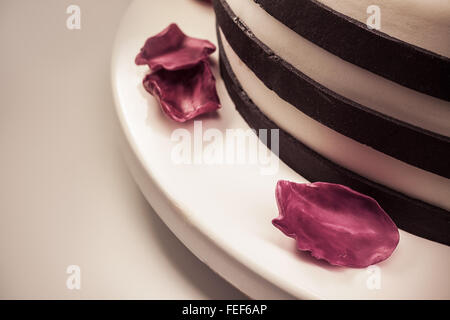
223, 213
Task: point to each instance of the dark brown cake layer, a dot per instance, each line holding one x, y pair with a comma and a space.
410, 144
409, 214
391, 58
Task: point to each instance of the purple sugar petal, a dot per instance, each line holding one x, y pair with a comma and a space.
335, 223
184, 94
171, 49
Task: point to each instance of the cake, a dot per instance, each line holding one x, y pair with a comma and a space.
355, 105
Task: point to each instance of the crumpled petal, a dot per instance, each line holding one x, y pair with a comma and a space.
171, 49
335, 223
184, 94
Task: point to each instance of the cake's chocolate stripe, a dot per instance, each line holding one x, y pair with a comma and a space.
396, 60
413, 145
409, 214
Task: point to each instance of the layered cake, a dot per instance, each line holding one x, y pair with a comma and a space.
366, 106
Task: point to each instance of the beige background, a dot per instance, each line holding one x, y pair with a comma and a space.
65, 194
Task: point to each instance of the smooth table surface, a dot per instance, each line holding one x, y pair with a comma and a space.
66, 197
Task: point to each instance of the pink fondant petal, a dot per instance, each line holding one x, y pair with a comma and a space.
184, 94
335, 223
171, 49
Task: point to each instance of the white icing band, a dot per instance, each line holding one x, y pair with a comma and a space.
424, 23
344, 78
338, 148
